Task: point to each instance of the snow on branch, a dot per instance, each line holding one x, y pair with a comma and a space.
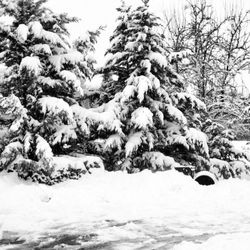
22, 32
73, 57
143, 84
12, 153
185, 98
43, 149
128, 92
114, 58
31, 64
159, 59
37, 30
159, 161
176, 114
48, 81
64, 134
113, 141
106, 117
54, 106
69, 76
142, 117
134, 141
197, 138
42, 49
86, 163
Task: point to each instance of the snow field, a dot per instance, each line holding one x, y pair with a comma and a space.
146, 206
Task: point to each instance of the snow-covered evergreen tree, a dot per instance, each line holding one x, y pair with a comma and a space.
149, 122
44, 77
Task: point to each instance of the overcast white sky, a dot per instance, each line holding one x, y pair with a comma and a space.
103, 12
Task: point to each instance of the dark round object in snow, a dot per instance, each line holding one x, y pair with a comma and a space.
205, 178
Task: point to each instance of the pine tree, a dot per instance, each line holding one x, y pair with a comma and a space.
148, 121
44, 77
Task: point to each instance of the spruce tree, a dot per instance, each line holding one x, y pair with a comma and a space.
44, 77
148, 120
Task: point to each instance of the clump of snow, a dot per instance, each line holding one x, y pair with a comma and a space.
48, 81
69, 76
180, 56
43, 149
142, 117
143, 85
37, 30
22, 32
78, 161
64, 134
189, 98
159, 161
134, 141
196, 137
42, 48
218, 166
113, 141
158, 58
128, 92
54, 106
32, 64
176, 113
72, 57
94, 83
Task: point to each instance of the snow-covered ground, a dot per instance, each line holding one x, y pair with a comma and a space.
164, 210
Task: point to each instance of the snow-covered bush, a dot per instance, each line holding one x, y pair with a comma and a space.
226, 160
44, 77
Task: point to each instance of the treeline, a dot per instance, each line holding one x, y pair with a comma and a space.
142, 117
